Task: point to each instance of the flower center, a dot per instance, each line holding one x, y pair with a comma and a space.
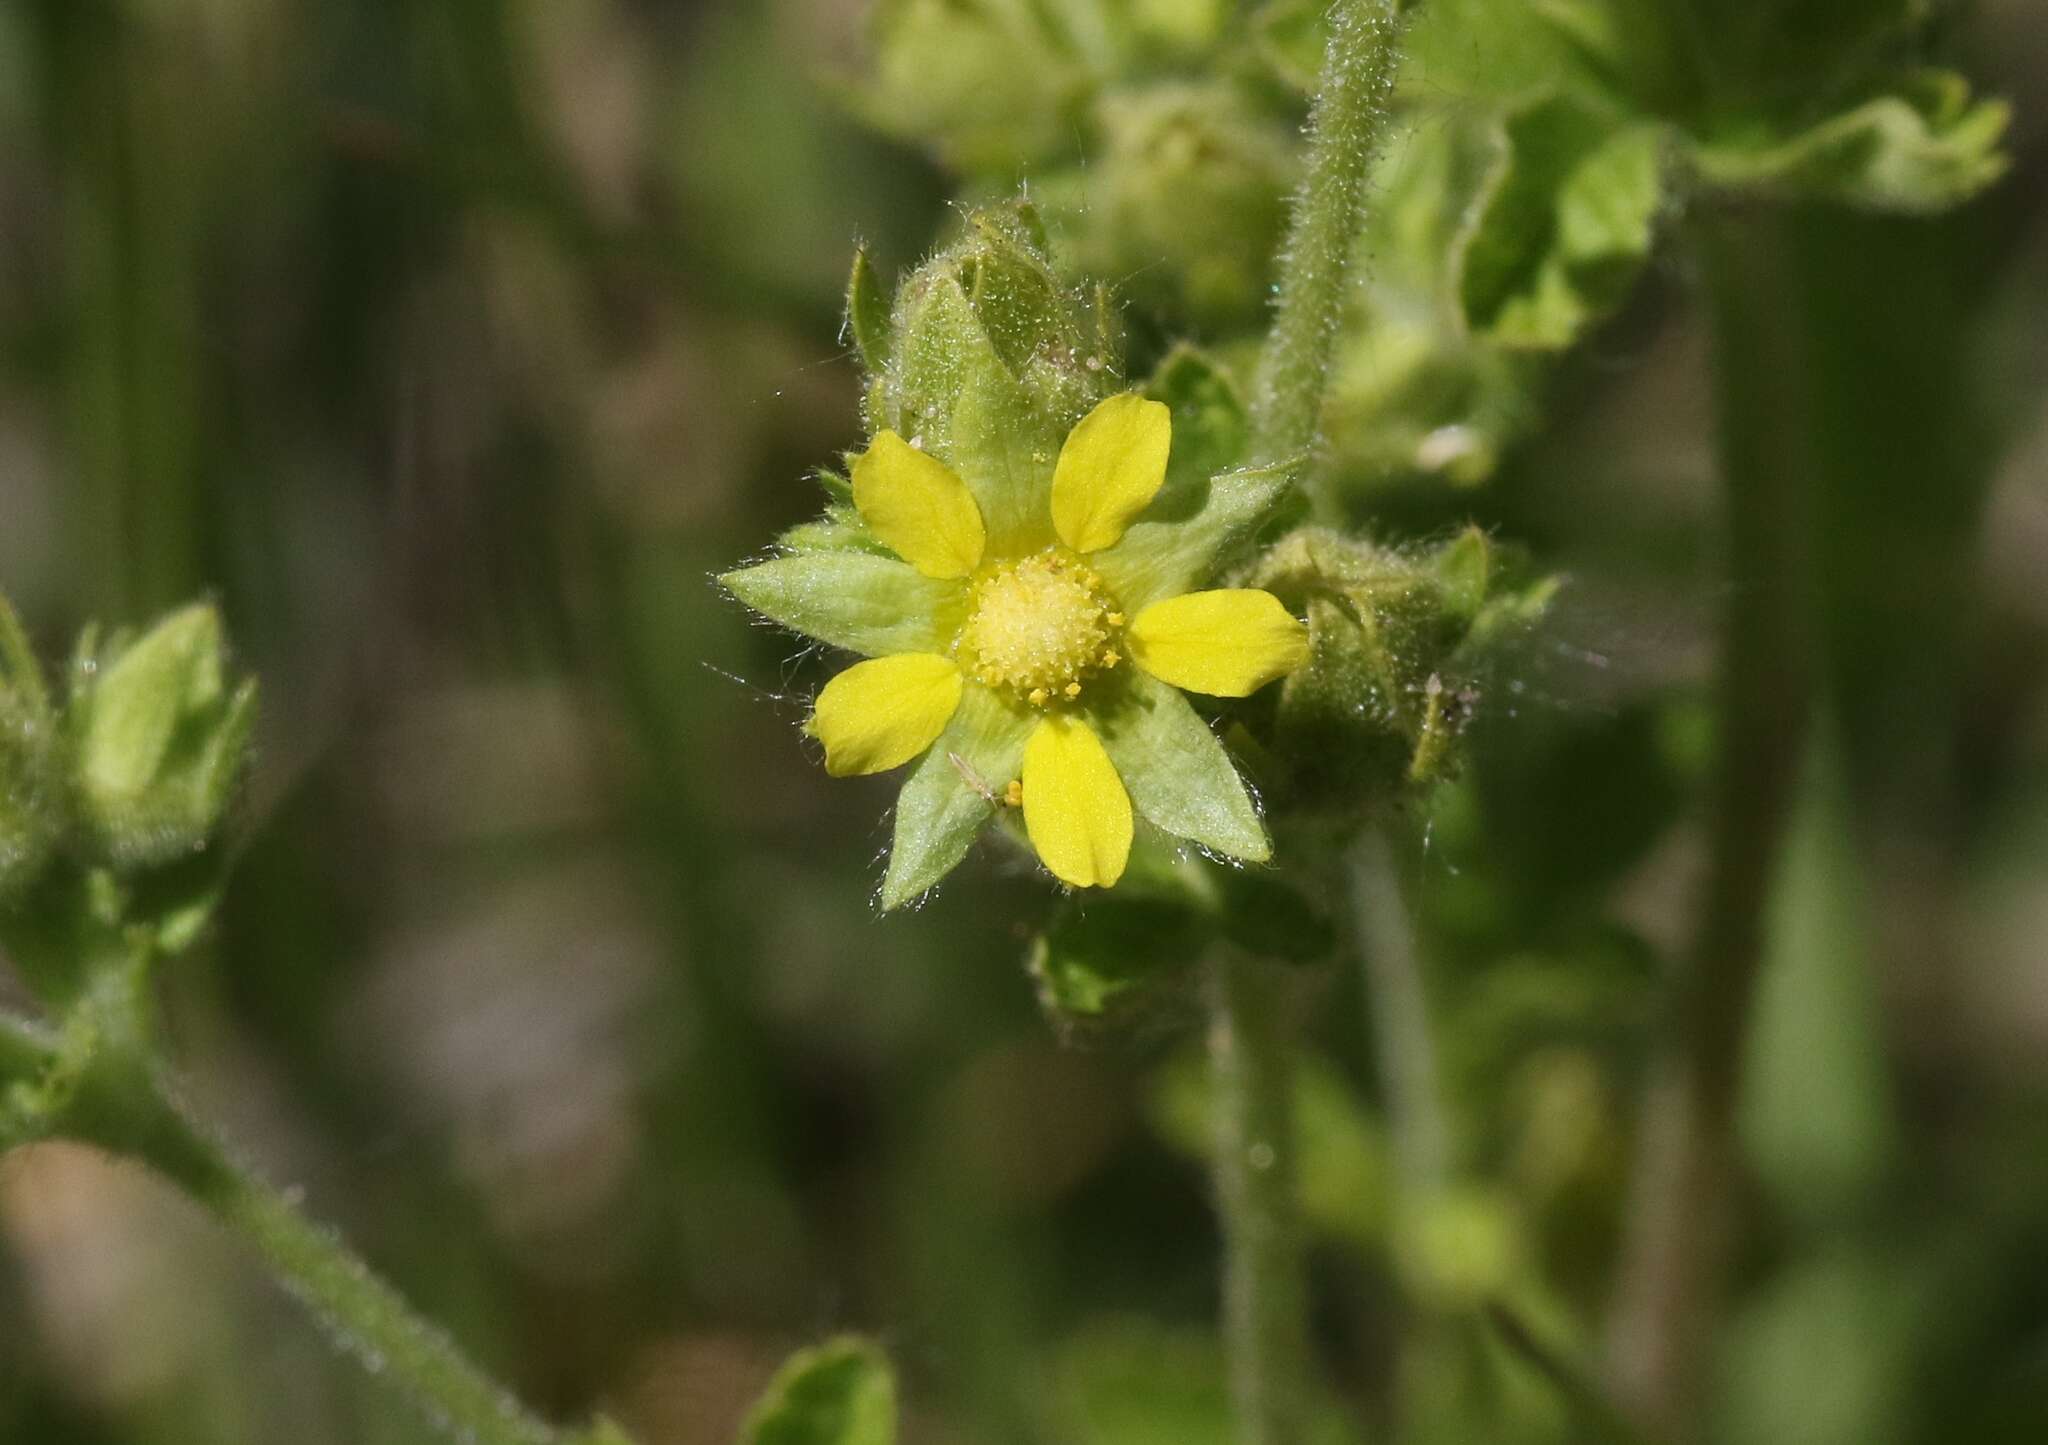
1039, 625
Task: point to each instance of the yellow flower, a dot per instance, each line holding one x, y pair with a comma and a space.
1038, 638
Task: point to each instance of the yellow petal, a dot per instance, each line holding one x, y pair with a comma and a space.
918, 507
1075, 806
880, 713
1111, 466
1227, 643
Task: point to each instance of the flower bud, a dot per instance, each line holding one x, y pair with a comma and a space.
159, 740
989, 359
1186, 201
1387, 690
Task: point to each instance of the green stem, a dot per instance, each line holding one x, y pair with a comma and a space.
1403, 1041
1265, 1332
1672, 1259
1345, 129
365, 1314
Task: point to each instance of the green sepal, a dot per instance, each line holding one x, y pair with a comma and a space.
874, 605
1564, 227
993, 361
1178, 775
842, 1392
1921, 147
1393, 640
952, 792
837, 529
158, 739
838, 490
867, 312
1189, 535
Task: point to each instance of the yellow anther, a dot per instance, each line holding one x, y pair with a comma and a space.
1038, 625
1013, 795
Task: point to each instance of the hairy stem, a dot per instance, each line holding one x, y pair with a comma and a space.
1344, 133
1265, 1330
364, 1314
1669, 1283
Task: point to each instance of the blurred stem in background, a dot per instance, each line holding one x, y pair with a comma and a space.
1672, 1261
1403, 1042
1265, 1297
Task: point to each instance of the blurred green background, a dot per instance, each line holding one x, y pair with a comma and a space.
452, 347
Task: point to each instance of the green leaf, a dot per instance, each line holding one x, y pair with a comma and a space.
867, 312
1565, 226
1178, 774
1922, 147
1211, 425
876, 606
1102, 954
952, 792
1189, 534
838, 1393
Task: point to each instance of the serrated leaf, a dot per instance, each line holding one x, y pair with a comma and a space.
867, 312
1923, 147
1565, 226
876, 606
1179, 776
839, 1393
952, 793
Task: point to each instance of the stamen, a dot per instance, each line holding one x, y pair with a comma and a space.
1039, 625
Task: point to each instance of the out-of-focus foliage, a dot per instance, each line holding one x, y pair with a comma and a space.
841, 1393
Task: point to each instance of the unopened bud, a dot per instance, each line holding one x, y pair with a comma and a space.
160, 740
